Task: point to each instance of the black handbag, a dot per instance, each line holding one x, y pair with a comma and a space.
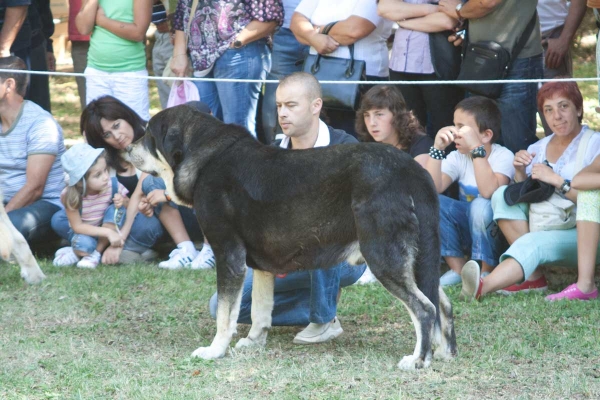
325, 68
488, 60
446, 58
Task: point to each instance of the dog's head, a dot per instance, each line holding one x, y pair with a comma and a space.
162, 150
178, 143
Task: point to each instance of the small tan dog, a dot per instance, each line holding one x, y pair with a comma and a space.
12, 242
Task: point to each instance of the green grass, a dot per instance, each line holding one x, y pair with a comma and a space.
128, 332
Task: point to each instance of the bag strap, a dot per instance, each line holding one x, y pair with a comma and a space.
350, 70
115, 186
189, 24
581, 149
326, 30
524, 37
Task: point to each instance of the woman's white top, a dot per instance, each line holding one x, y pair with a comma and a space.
565, 165
372, 49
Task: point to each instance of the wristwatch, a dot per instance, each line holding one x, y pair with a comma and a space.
238, 44
458, 8
478, 152
565, 187
167, 196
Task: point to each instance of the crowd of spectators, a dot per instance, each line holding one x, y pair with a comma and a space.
476, 144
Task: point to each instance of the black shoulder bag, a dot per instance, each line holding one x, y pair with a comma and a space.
488, 60
325, 68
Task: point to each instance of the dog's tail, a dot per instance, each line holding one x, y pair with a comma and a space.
6, 242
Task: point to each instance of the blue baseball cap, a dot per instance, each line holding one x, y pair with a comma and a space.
77, 160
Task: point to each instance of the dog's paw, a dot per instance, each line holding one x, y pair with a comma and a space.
412, 362
33, 278
208, 353
443, 353
247, 342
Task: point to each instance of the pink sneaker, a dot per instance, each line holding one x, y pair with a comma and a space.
572, 292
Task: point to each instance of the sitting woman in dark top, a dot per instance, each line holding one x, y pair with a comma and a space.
383, 117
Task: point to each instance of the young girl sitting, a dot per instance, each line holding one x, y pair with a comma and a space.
94, 206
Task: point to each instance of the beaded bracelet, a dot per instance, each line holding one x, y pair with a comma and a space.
436, 154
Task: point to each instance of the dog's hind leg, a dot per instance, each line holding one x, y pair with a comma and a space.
422, 313
230, 280
262, 306
30, 270
400, 281
445, 337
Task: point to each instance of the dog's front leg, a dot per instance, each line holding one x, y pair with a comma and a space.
262, 306
229, 297
30, 270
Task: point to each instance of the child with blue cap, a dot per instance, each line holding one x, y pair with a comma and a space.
95, 207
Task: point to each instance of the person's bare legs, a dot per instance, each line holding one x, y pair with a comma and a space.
485, 267
588, 234
507, 273
171, 220
455, 263
512, 230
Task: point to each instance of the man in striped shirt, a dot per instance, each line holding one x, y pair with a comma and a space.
31, 143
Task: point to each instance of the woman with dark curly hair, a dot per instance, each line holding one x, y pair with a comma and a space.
383, 117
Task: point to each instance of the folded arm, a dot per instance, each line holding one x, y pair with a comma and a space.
36, 173
436, 22
13, 20
134, 31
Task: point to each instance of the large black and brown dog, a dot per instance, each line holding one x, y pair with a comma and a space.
279, 211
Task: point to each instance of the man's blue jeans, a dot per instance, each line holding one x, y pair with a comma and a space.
518, 103
469, 228
300, 297
287, 58
237, 102
33, 221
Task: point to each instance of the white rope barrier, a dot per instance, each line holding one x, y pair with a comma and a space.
439, 82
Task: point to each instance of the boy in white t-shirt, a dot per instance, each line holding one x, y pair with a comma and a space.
480, 166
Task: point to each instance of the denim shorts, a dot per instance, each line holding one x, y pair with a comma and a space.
87, 244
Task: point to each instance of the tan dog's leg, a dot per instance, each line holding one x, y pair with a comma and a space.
262, 306
6, 240
228, 310
30, 270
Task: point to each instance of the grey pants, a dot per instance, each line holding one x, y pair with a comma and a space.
163, 49
79, 50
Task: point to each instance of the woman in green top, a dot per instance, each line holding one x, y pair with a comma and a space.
117, 57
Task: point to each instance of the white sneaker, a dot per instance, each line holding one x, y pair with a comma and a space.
178, 259
205, 259
450, 278
366, 278
90, 261
65, 257
319, 333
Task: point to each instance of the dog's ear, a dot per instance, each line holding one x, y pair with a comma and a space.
173, 146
